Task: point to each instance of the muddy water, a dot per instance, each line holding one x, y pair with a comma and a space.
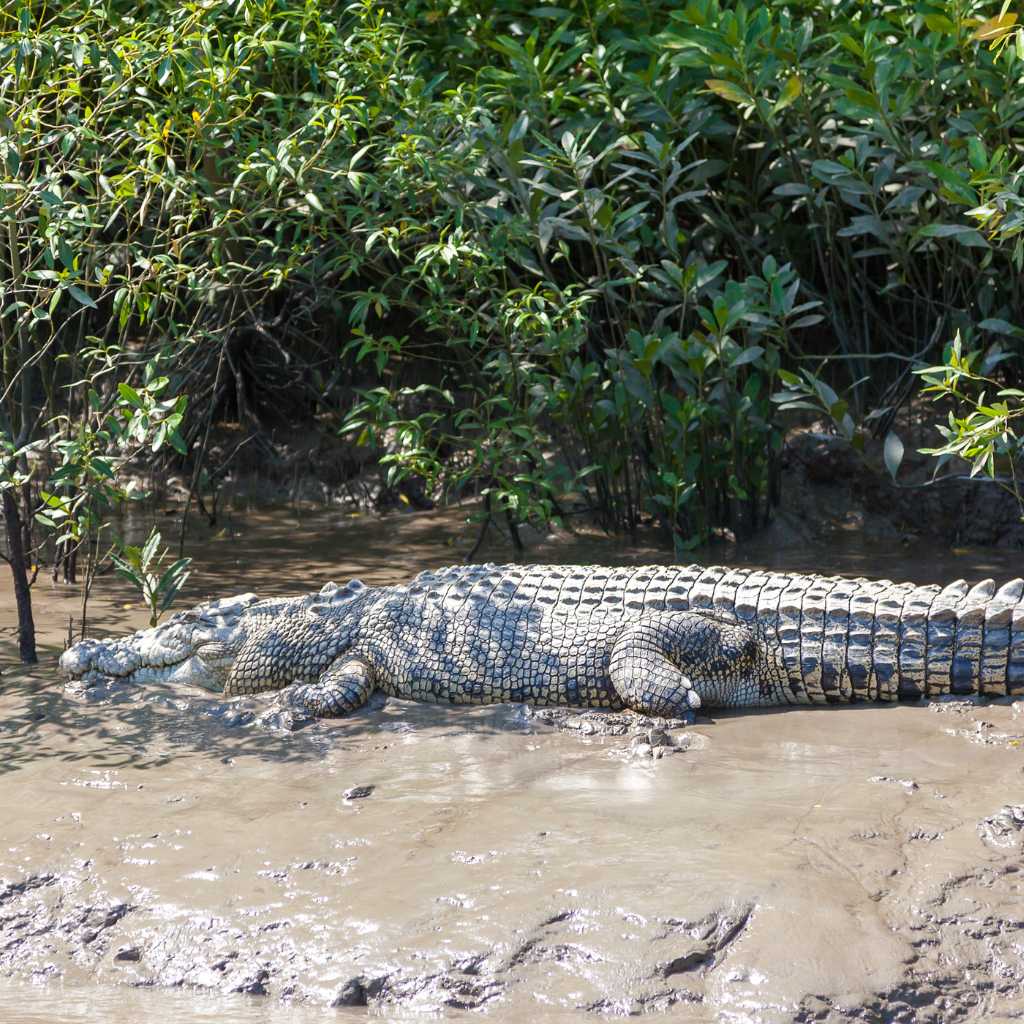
165, 856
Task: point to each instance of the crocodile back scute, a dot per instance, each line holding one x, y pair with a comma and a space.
839, 638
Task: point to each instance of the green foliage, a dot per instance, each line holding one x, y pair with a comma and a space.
523, 250
144, 569
982, 425
806, 390
630, 168
88, 481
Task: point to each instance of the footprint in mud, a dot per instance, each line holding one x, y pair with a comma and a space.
1004, 829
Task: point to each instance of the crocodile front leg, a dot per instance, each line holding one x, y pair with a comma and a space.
343, 687
671, 664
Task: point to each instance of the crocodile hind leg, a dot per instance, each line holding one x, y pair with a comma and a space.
343, 687
671, 664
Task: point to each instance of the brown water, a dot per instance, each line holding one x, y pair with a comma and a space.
157, 862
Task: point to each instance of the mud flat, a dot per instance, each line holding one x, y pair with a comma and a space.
847, 863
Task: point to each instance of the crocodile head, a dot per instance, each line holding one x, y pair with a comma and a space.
195, 646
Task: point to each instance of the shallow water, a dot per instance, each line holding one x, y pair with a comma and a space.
817, 863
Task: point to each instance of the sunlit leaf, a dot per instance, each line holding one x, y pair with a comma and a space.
130, 395
728, 90
940, 23
995, 28
789, 94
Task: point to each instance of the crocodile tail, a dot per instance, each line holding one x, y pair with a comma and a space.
975, 640
1002, 665
843, 640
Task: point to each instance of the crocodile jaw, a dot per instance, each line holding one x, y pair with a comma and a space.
171, 652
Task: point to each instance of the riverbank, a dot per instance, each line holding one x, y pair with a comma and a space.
833, 864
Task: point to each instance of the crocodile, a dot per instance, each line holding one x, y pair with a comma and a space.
660, 640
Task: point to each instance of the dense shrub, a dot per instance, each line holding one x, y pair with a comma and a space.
688, 200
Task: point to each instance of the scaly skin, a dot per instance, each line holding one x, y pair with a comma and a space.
657, 639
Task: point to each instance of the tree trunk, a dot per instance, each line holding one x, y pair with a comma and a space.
19, 570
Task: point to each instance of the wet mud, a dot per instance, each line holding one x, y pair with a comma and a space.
165, 853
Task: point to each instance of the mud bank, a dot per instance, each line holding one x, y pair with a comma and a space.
858, 863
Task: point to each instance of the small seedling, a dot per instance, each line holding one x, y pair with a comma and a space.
141, 567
